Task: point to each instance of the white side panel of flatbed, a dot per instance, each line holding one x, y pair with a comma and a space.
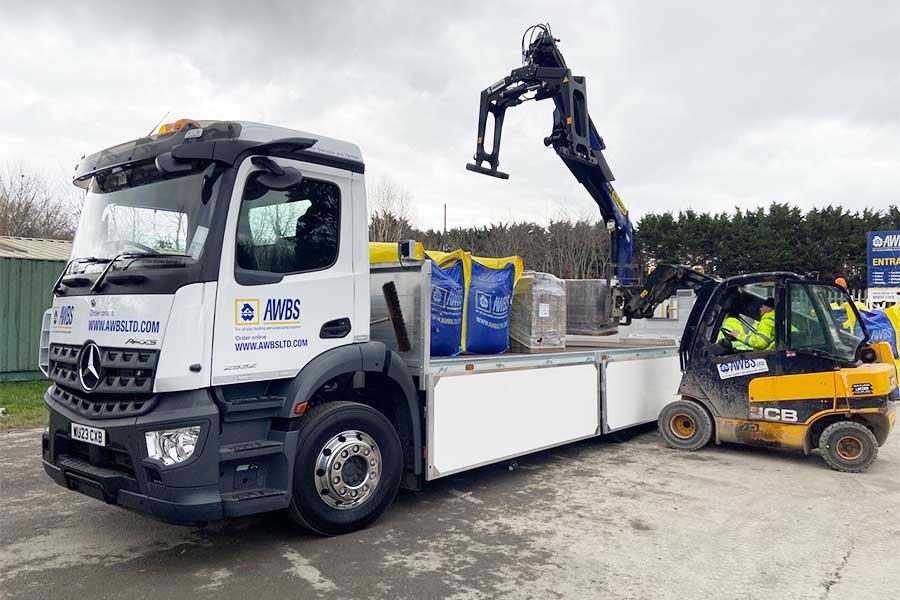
478, 418
637, 390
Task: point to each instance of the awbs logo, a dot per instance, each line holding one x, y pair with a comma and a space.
495, 306
742, 366
63, 317
886, 242
276, 311
246, 311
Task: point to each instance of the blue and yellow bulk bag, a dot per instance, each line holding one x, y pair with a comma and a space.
448, 294
487, 315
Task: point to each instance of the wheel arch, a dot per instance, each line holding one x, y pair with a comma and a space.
877, 422
358, 372
705, 404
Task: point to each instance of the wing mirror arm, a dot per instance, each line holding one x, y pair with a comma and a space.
276, 177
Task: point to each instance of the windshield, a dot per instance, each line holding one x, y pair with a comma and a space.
139, 210
815, 324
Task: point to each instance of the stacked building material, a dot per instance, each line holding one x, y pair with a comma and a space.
538, 321
589, 307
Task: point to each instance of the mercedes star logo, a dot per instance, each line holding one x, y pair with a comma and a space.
89, 367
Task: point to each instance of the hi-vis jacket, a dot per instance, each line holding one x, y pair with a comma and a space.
764, 337
733, 323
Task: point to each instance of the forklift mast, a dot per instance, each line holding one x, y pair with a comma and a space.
544, 75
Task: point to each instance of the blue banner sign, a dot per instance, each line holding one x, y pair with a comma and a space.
884, 259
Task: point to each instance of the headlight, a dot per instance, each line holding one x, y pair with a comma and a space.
172, 446
46, 419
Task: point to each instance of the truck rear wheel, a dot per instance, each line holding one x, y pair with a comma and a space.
685, 425
348, 468
848, 446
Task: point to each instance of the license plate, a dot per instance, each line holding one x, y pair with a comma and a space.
90, 435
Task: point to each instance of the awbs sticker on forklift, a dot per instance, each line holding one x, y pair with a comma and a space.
743, 366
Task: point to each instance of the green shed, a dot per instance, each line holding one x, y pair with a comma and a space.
28, 269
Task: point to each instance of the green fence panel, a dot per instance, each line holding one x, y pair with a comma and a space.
24, 296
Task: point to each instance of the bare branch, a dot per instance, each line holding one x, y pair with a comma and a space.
35, 205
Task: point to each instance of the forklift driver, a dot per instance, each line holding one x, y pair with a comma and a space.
762, 334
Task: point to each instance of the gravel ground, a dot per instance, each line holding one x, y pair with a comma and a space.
591, 520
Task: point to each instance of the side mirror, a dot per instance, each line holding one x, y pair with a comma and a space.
166, 163
276, 178
289, 179
867, 354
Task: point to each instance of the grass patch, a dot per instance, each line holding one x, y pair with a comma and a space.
24, 403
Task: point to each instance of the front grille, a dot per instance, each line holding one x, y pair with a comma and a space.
124, 371
103, 407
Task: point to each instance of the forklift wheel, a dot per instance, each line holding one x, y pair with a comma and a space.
685, 425
848, 446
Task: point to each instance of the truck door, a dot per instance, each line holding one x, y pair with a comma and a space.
733, 363
286, 284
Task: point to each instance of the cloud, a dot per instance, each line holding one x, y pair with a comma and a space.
703, 105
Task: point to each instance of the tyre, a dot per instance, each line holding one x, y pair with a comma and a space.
685, 425
848, 446
347, 469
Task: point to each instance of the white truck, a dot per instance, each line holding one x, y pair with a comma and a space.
211, 353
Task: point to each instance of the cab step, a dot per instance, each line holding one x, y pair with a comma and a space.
250, 408
245, 502
245, 450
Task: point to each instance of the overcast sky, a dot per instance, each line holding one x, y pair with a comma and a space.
703, 105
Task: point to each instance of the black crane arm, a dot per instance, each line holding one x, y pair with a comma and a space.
544, 75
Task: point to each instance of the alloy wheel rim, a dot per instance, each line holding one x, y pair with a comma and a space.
348, 470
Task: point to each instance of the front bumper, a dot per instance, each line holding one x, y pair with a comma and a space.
216, 482
186, 507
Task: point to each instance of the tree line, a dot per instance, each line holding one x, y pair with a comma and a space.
568, 248
825, 242
828, 242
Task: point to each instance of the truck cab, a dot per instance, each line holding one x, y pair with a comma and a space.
213, 263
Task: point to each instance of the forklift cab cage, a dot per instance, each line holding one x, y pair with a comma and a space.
806, 338
719, 299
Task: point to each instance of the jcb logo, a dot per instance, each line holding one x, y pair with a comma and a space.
773, 414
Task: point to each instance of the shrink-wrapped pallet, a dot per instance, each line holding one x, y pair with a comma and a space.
538, 321
589, 307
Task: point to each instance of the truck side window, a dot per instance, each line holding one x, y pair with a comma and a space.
288, 231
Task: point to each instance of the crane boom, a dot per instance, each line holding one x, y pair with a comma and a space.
544, 75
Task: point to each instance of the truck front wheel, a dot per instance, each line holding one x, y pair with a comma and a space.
685, 425
348, 468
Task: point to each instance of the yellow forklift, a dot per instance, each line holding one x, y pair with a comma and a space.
817, 385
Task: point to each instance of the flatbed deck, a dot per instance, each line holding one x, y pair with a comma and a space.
482, 409
573, 355
485, 409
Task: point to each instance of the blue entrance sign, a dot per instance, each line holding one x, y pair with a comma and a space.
884, 259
